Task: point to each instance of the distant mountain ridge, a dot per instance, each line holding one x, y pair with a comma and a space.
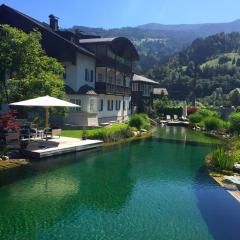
202, 28
155, 41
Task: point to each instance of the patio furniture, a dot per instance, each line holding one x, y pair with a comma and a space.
28, 132
51, 132
175, 117
168, 117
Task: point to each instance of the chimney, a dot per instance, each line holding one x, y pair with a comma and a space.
53, 22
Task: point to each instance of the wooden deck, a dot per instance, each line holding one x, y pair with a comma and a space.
39, 148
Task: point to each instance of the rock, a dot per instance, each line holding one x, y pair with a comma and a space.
0, 159
143, 130
237, 167
5, 158
135, 134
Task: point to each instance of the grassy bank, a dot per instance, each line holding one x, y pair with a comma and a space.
223, 158
115, 134
13, 163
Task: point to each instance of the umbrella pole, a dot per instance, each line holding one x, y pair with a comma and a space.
46, 122
46, 116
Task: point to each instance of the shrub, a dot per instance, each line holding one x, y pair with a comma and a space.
195, 118
234, 119
213, 123
137, 121
222, 159
112, 134
207, 113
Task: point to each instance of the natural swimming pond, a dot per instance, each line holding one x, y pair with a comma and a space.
143, 190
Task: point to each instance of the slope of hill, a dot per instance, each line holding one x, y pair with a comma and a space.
155, 41
201, 68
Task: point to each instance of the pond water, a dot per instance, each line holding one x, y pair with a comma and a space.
143, 190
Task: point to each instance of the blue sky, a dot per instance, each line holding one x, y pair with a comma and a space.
122, 13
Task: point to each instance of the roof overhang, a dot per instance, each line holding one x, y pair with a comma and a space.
120, 45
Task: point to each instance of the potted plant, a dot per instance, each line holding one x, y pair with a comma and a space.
84, 134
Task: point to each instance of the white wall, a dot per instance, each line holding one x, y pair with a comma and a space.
118, 114
75, 74
86, 116
71, 75
85, 62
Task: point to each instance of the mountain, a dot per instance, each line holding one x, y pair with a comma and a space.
200, 30
206, 65
155, 42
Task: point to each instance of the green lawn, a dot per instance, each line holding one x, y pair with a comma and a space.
214, 62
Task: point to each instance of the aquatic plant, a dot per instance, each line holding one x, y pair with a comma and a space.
222, 159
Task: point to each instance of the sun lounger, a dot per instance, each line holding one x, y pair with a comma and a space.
168, 117
175, 117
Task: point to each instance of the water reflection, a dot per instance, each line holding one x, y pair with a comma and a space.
40, 201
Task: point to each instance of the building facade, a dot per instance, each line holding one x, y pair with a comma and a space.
142, 93
98, 71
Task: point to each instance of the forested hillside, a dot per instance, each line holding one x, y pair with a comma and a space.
155, 41
206, 65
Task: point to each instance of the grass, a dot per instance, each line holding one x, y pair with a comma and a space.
108, 134
225, 156
214, 62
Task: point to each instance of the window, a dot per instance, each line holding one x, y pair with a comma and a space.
110, 105
124, 105
86, 75
100, 105
78, 102
100, 77
92, 75
91, 105
116, 105
135, 87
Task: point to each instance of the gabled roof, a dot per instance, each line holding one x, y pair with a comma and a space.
121, 45
46, 27
139, 78
86, 89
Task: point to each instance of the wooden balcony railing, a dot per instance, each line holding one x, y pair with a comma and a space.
105, 61
108, 88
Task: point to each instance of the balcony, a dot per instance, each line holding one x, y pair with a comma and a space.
108, 88
105, 61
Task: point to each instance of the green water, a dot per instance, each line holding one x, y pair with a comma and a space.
145, 190
185, 135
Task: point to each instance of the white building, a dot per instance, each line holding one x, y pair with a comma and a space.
98, 71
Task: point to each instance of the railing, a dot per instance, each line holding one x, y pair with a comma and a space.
105, 61
108, 88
